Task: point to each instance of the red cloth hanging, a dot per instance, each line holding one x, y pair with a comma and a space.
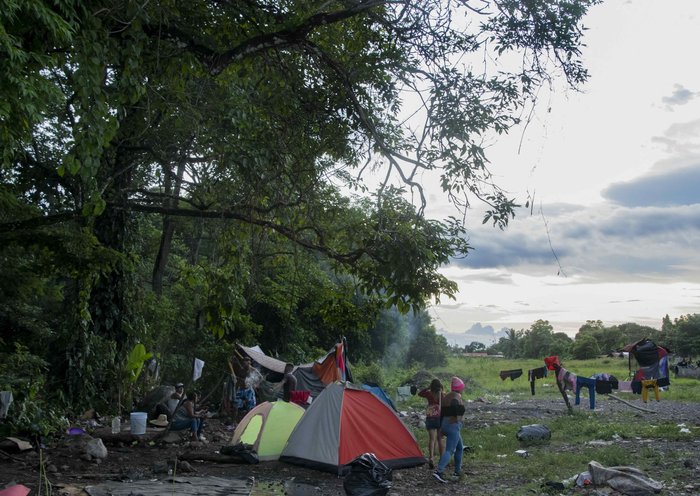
551, 361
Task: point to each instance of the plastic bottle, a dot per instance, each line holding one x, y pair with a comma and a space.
116, 425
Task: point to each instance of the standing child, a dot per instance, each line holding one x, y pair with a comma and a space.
433, 394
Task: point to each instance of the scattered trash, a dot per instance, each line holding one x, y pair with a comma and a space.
14, 445
368, 477
76, 431
583, 479
522, 453
16, 490
244, 452
559, 486
533, 434
627, 480
598, 442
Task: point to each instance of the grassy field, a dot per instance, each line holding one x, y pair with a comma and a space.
627, 439
481, 375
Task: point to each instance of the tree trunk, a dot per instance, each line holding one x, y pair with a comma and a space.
173, 192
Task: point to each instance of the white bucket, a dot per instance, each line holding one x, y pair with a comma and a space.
138, 422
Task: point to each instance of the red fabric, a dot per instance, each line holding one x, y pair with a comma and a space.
299, 397
551, 361
339, 359
362, 418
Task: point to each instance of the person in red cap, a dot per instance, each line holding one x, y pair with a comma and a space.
451, 425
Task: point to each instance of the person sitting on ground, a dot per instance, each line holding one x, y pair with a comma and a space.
187, 416
433, 394
451, 426
169, 406
289, 383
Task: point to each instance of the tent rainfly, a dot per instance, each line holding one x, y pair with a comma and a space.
344, 422
267, 428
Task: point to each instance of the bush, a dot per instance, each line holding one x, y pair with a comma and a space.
362, 373
24, 375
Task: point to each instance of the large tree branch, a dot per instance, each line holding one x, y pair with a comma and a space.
217, 61
293, 235
37, 222
392, 155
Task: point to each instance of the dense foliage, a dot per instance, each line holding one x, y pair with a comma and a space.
183, 175
682, 337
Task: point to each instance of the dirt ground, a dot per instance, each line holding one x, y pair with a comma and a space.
134, 458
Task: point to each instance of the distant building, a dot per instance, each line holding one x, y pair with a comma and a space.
482, 354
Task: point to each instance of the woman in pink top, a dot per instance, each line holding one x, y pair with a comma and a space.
434, 395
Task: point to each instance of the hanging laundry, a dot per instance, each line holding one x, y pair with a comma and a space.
589, 383
566, 379
513, 374
533, 374
551, 361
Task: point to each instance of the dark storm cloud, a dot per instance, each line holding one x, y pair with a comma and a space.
607, 241
676, 187
632, 223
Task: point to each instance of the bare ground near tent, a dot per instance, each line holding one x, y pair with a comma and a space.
68, 474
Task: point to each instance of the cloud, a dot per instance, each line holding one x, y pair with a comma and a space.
603, 242
675, 187
680, 96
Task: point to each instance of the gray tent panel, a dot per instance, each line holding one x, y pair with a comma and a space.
316, 440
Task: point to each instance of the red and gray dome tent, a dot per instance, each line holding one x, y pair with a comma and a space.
345, 422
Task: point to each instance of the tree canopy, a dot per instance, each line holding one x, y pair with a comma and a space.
249, 169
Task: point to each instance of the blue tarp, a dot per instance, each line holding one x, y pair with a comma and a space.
379, 393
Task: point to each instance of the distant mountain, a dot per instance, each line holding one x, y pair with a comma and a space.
482, 333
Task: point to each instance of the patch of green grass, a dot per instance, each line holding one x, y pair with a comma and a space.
481, 375
576, 440
627, 438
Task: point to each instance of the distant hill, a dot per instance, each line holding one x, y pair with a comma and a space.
485, 334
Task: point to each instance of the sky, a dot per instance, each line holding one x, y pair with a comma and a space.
614, 232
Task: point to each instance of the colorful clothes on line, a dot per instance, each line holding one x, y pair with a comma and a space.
566, 379
533, 374
589, 383
551, 361
513, 374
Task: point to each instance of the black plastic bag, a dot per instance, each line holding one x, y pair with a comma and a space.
244, 453
534, 434
368, 477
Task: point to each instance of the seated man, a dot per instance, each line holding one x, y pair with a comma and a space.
187, 416
169, 406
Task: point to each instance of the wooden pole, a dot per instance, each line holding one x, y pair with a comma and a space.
630, 404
